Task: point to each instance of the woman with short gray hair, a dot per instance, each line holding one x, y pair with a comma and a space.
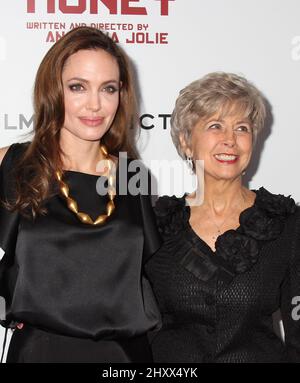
227, 263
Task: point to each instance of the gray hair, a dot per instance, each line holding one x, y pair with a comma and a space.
213, 93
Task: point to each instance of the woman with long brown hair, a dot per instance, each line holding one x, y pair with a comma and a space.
72, 272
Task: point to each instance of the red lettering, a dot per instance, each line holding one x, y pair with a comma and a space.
51, 38
126, 9
147, 38
30, 6
110, 4
76, 9
164, 7
114, 37
164, 39
51, 6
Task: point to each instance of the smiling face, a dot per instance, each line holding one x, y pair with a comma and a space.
224, 142
91, 83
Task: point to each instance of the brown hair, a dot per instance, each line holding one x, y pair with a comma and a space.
35, 170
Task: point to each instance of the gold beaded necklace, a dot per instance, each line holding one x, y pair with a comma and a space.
72, 204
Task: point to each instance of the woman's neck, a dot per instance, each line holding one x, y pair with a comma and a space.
221, 197
79, 155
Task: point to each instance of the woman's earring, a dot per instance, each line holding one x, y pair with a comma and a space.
244, 172
190, 164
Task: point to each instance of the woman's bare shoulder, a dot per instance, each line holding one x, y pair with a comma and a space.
3, 152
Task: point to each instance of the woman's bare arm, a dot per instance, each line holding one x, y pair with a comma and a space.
2, 153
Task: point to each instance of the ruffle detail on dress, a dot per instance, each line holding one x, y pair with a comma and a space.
236, 250
172, 214
262, 222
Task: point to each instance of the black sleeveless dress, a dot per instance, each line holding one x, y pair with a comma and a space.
80, 290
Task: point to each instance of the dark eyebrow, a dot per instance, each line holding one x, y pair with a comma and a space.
77, 79
86, 81
111, 82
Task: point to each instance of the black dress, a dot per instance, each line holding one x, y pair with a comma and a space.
80, 290
218, 306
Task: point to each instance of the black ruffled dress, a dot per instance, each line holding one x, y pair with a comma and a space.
218, 306
80, 290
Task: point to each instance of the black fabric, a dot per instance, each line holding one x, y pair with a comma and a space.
68, 278
31, 345
218, 306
